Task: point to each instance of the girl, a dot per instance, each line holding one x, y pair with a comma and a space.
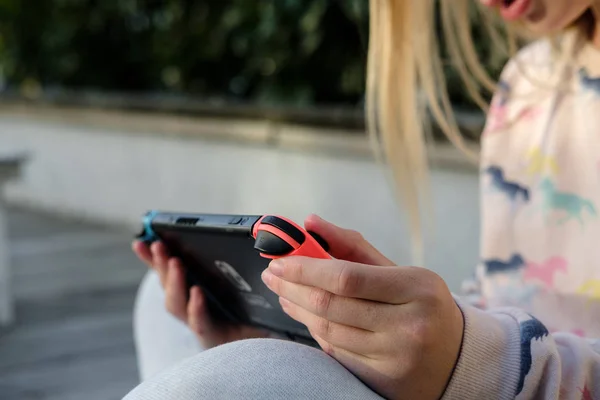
399, 331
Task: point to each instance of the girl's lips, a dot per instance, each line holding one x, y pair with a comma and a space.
512, 10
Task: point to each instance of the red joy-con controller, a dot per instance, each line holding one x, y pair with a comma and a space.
277, 237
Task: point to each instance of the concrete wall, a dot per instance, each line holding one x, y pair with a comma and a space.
114, 175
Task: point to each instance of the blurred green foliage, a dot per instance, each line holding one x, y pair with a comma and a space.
294, 52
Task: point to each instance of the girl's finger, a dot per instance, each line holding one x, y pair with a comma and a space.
176, 290
340, 336
393, 285
160, 261
142, 250
357, 313
197, 314
346, 244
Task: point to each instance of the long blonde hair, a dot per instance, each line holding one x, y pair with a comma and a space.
406, 86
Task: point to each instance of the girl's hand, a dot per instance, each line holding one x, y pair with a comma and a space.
398, 329
194, 312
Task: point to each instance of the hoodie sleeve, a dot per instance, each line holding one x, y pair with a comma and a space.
508, 354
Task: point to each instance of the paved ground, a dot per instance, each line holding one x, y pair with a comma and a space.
75, 285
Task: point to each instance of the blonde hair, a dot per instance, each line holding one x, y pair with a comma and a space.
406, 86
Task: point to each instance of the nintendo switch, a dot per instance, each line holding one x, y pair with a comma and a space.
226, 254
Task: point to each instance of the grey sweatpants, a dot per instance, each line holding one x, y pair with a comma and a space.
174, 367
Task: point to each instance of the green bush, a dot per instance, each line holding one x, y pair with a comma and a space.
294, 52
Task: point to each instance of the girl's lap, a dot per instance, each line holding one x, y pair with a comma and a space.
255, 369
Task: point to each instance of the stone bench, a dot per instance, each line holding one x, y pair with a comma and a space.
10, 168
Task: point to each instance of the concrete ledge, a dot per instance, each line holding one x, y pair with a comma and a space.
11, 164
10, 167
337, 142
83, 168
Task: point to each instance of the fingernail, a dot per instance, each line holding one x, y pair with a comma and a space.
267, 277
317, 217
276, 267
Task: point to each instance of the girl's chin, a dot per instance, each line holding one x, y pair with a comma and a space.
542, 27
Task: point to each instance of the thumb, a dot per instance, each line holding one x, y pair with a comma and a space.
346, 244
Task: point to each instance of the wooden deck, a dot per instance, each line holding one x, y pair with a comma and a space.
75, 286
